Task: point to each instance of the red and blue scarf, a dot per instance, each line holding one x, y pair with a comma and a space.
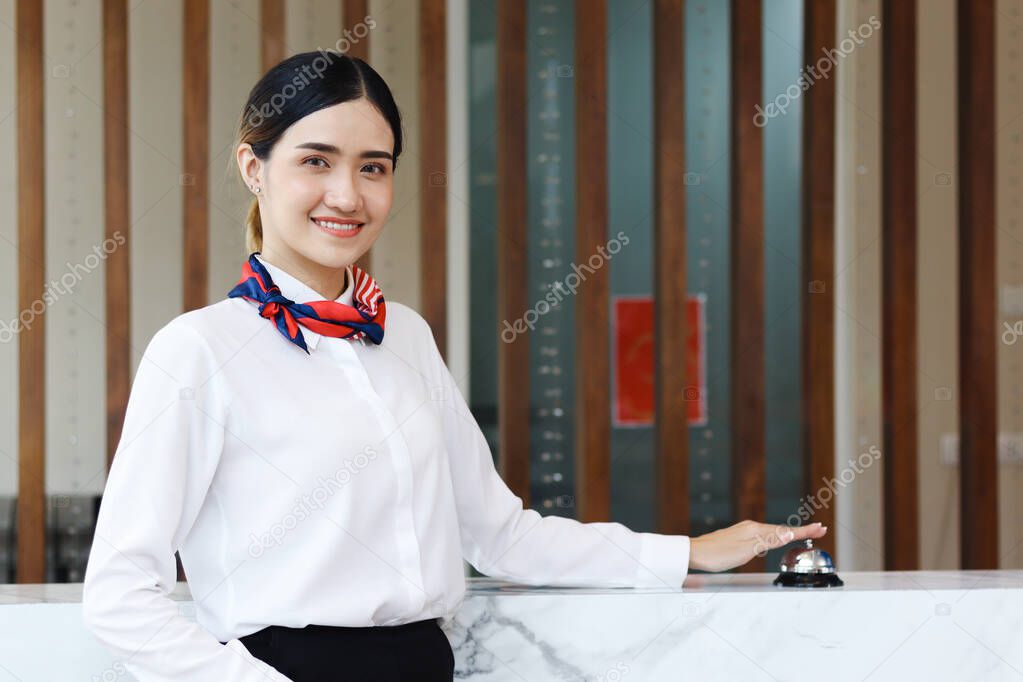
329, 318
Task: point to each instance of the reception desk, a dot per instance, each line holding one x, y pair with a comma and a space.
924, 625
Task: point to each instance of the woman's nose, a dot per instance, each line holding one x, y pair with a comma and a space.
344, 196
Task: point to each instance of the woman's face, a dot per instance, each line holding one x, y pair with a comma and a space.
330, 170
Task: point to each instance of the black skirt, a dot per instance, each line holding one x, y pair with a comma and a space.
386, 653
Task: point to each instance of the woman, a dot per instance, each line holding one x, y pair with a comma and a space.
323, 491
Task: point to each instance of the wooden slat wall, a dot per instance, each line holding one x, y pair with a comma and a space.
352, 13
196, 83
593, 378
117, 194
271, 19
818, 331
899, 290
978, 392
978, 378
747, 268
513, 358
671, 423
433, 167
31, 557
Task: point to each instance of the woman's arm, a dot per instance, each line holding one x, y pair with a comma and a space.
503, 540
170, 445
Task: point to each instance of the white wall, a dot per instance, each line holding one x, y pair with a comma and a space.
857, 269
74, 228
8, 255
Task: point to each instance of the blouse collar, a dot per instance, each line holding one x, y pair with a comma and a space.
298, 291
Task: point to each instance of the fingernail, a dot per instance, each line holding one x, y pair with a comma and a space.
788, 535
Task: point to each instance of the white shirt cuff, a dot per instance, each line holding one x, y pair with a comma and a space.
664, 560
267, 671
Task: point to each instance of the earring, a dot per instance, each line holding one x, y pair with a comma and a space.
254, 188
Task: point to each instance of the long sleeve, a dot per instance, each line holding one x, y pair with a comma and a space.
503, 540
171, 442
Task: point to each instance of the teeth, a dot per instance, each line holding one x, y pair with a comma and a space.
337, 227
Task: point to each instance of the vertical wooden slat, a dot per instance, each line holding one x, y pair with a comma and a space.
899, 291
747, 268
354, 12
818, 331
271, 20
513, 355
196, 84
433, 167
593, 377
117, 193
978, 393
671, 423
31, 557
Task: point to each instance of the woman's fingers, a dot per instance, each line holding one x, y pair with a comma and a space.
774, 536
812, 531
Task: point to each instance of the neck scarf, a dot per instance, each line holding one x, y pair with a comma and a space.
329, 318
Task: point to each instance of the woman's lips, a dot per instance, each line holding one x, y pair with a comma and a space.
341, 231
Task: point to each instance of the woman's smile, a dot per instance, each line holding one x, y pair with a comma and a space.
344, 228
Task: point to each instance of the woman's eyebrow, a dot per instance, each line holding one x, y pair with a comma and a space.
331, 149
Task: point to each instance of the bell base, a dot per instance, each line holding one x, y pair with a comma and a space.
808, 580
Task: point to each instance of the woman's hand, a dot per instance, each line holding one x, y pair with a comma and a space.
734, 546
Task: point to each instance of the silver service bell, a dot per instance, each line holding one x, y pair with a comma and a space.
807, 566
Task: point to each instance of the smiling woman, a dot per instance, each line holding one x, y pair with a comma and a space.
318, 145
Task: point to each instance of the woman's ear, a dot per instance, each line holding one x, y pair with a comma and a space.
248, 165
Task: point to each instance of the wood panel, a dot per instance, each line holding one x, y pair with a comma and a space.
818, 319
354, 12
512, 290
670, 323
117, 212
31, 548
978, 388
747, 268
593, 377
898, 285
433, 167
196, 82
271, 21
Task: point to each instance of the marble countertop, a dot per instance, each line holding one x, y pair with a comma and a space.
696, 584
935, 625
713, 583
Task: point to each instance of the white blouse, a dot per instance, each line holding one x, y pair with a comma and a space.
343, 487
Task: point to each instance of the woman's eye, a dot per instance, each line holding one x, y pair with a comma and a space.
316, 158
374, 168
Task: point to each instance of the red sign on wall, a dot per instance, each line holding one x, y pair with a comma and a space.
633, 353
